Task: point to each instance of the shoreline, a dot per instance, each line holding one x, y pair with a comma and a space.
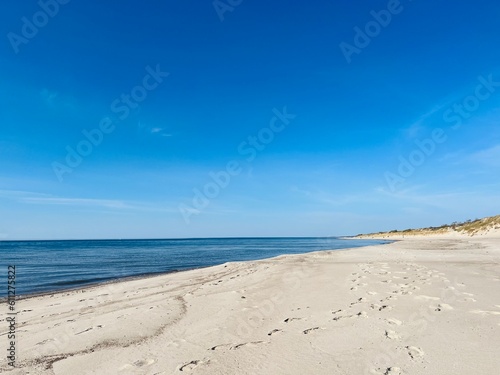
163, 273
20, 297
405, 307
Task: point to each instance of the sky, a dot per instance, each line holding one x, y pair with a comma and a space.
227, 118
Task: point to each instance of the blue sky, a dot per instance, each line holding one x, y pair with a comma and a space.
333, 168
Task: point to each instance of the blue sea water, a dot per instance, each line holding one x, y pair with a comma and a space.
44, 266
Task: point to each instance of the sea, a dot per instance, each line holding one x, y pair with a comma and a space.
48, 266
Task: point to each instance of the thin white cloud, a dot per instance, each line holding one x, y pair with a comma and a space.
446, 102
490, 156
418, 125
330, 199
441, 200
453, 157
295, 189
76, 202
20, 193
153, 130
49, 96
54, 99
27, 197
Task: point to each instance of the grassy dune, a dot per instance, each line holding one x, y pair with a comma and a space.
469, 227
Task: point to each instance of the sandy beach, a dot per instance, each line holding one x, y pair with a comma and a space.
425, 305
234, 187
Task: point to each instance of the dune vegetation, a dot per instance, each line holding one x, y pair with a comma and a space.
469, 227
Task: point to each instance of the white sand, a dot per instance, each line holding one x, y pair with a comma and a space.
419, 306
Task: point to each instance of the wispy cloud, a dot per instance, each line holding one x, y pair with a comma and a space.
428, 118
331, 199
27, 197
161, 132
418, 125
490, 156
153, 130
49, 97
417, 196
455, 157
76, 202
20, 194
57, 101
295, 189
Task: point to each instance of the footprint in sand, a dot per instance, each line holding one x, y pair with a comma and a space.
192, 365
442, 307
361, 314
44, 341
391, 335
222, 346
137, 364
253, 343
274, 331
386, 371
88, 329
394, 322
390, 298
427, 298
468, 299
308, 331
360, 300
415, 352
381, 307
288, 320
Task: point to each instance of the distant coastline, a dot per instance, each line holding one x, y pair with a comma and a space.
488, 226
